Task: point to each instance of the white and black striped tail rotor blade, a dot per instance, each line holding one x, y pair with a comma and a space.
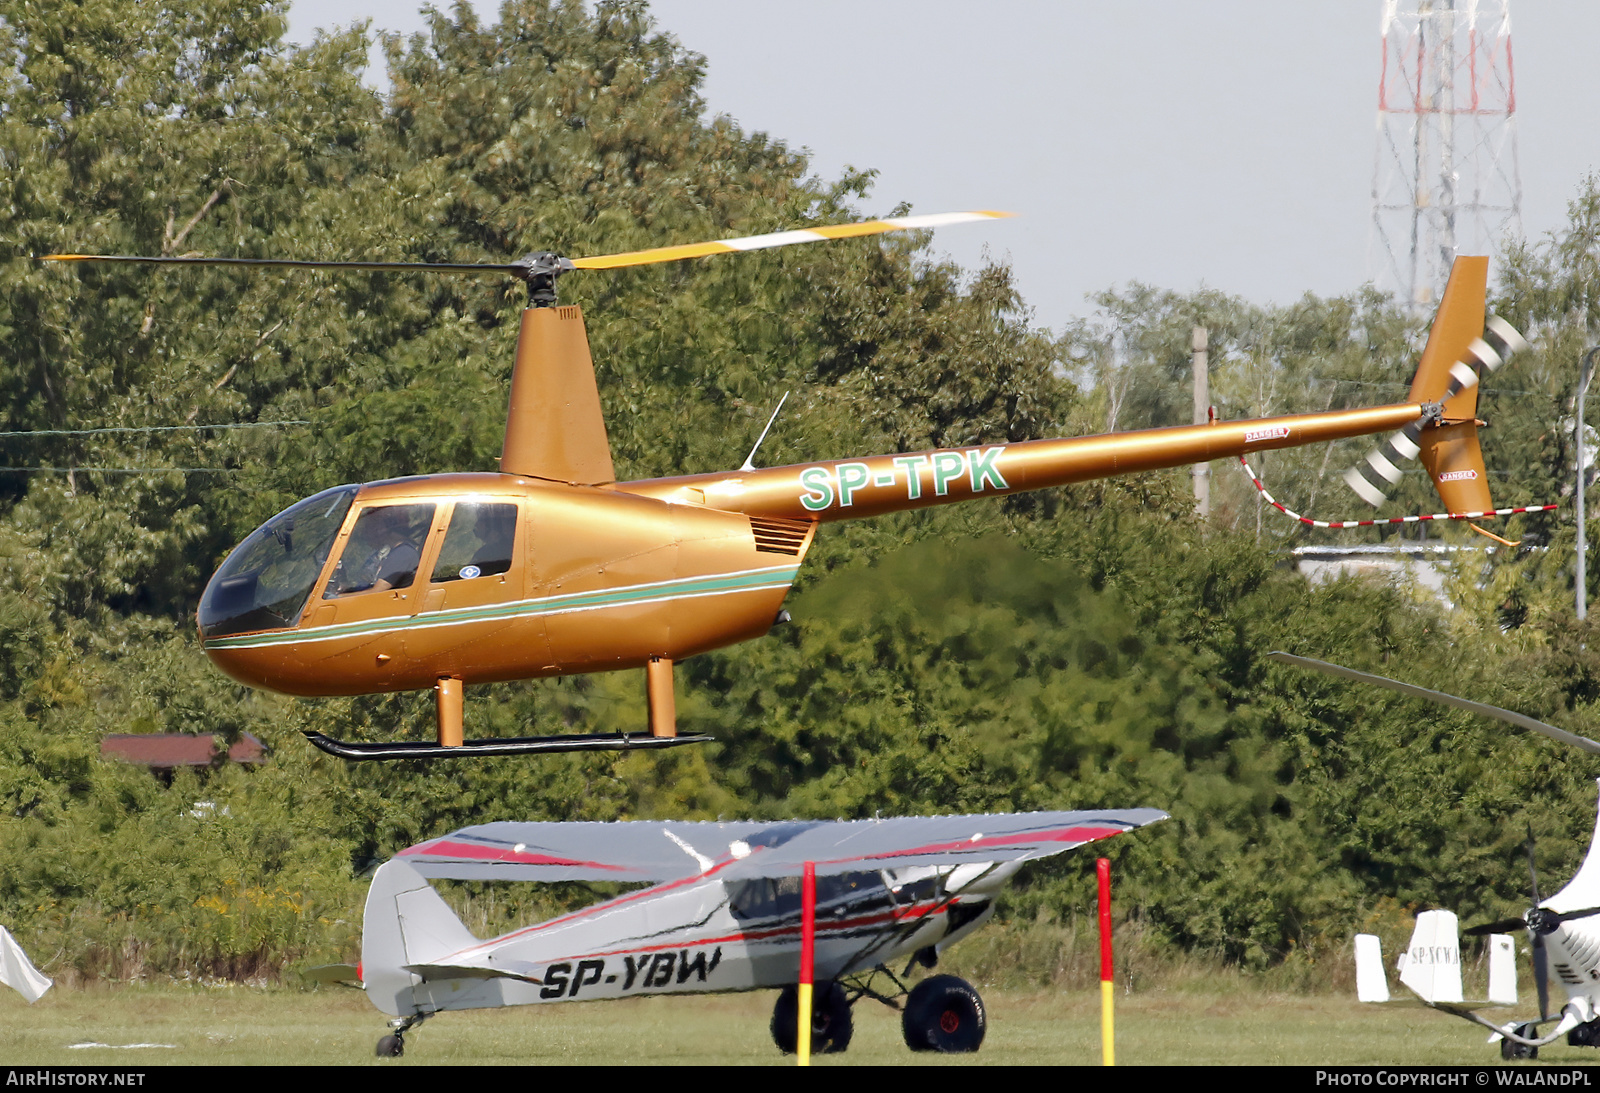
1500, 343
1375, 475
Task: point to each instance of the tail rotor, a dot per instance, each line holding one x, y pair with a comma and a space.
1462, 348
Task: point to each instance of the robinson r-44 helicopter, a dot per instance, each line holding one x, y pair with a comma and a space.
551, 567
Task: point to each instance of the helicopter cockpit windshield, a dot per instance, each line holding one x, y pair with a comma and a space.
265, 582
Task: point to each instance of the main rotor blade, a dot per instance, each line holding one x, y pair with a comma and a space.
1521, 720
288, 263
1504, 926
522, 270
783, 239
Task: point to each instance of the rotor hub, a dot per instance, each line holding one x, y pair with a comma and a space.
539, 272
1541, 921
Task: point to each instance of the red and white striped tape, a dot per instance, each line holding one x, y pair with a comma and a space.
1309, 522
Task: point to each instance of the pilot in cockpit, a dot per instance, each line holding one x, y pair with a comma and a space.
389, 544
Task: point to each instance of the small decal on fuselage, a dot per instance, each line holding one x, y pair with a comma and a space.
825, 486
1458, 476
1266, 432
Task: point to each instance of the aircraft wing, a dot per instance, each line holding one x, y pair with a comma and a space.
647, 851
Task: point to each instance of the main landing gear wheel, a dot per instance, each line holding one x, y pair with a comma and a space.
392, 1046
945, 1014
831, 1026
1510, 1049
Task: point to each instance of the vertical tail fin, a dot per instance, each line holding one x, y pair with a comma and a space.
1502, 970
1432, 968
1462, 348
405, 923
1371, 983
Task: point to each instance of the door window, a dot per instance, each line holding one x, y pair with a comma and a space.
384, 550
479, 543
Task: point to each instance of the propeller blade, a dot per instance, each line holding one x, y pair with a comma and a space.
287, 263
1533, 874
782, 239
1568, 916
1517, 719
1504, 926
1541, 975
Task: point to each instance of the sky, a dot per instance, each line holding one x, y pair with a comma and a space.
1229, 144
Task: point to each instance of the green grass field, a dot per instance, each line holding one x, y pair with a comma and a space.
251, 1026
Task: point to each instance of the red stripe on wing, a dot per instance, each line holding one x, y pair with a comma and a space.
1074, 835
457, 850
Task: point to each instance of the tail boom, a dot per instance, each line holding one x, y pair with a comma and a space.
849, 489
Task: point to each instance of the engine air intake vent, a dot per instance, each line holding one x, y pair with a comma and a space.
774, 536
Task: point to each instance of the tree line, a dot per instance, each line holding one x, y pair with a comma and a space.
1093, 646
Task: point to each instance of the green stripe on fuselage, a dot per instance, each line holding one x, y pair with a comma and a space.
777, 577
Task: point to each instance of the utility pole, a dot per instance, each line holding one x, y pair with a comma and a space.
1585, 374
1202, 416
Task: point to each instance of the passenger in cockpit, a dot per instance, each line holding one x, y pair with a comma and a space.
388, 540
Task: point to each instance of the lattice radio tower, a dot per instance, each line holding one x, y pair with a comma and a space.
1445, 179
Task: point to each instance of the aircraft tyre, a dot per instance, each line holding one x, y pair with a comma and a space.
944, 1013
1510, 1049
391, 1047
831, 1024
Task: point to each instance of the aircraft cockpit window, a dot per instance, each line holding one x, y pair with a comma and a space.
479, 542
916, 891
264, 584
838, 895
384, 550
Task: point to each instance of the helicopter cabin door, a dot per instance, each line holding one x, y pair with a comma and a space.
474, 623
375, 580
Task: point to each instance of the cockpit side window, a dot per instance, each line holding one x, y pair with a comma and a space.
838, 895
479, 543
383, 552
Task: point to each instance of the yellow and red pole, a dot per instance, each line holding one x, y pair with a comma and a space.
808, 946
1108, 1039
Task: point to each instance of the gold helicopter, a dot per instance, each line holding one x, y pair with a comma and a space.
552, 567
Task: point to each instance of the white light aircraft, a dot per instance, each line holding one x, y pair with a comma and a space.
721, 913
1562, 931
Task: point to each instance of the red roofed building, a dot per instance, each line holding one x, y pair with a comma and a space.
167, 751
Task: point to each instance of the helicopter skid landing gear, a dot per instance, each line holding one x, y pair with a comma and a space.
516, 745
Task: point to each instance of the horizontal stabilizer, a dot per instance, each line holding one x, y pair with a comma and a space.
334, 974
512, 970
